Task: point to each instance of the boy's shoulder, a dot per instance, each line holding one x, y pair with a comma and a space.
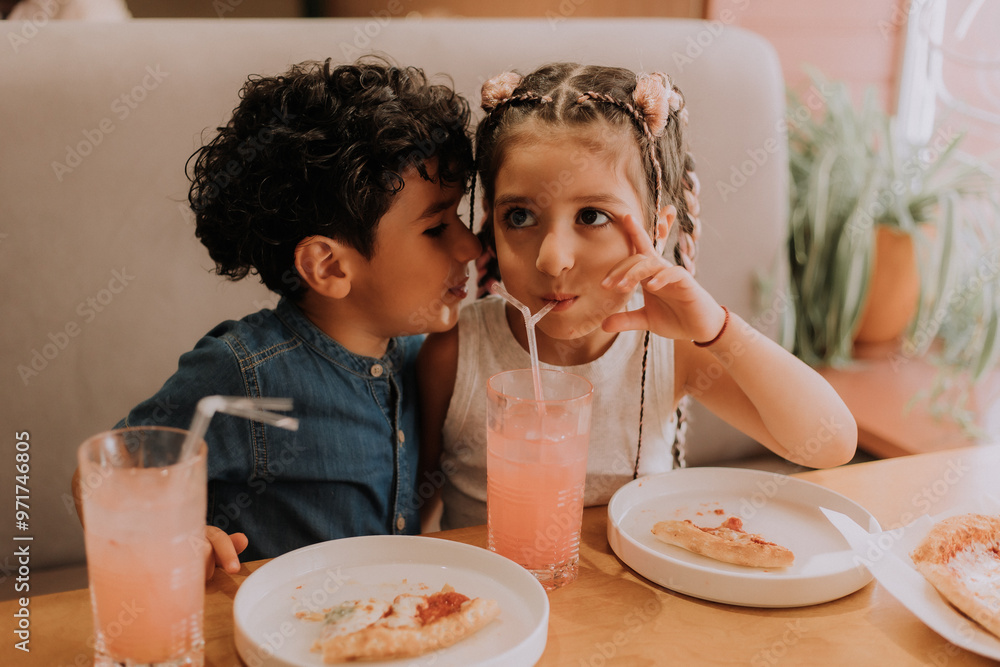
260, 334
269, 333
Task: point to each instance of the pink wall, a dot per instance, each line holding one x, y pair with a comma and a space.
857, 41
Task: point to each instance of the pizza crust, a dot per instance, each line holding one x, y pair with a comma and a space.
960, 557
379, 642
727, 543
409, 626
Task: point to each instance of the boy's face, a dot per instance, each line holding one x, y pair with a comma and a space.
416, 280
557, 216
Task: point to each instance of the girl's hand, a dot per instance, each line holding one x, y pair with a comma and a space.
676, 306
223, 551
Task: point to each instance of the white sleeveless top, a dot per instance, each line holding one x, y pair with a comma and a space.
486, 346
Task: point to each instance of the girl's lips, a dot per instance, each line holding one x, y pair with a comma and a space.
562, 302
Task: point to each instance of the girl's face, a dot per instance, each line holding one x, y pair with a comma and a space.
557, 215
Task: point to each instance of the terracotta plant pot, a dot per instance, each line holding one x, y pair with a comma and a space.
894, 288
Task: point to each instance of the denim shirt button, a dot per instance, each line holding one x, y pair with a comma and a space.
400, 436
377, 371
400, 522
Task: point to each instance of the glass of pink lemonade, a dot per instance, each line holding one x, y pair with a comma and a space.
144, 527
536, 467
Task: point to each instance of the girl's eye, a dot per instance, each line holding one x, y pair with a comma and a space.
436, 231
594, 218
518, 218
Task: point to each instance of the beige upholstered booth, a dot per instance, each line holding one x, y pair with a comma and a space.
103, 284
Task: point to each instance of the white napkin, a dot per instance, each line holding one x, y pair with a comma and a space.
886, 555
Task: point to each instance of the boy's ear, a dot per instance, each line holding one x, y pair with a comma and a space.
326, 265
664, 221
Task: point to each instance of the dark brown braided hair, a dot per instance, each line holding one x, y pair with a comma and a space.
647, 107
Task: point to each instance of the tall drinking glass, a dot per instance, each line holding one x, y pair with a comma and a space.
536, 467
144, 523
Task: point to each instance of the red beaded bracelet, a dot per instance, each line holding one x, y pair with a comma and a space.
725, 323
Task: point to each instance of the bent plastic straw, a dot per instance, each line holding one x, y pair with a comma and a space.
254, 409
529, 325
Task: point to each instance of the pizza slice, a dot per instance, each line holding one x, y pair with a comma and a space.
727, 542
960, 556
409, 626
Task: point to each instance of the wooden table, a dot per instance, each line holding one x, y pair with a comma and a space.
611, 616
886, 392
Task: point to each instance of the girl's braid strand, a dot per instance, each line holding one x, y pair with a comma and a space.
491, 115
640, 120
678, 453
690, 222
642, 402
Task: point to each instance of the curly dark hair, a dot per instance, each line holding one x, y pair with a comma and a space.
320, 150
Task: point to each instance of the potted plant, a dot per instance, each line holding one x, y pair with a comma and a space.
857, 186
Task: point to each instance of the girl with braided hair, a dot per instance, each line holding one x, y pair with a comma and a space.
591, 201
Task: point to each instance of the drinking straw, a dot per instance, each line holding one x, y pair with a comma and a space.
529, 325
255, 409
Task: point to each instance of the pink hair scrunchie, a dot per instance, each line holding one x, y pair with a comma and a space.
498, 89
656, 97
652, 100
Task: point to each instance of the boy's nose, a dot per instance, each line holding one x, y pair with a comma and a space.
555, 254
466, 246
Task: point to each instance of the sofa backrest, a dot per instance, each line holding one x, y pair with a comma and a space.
104, 285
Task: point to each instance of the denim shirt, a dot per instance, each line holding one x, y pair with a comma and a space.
351, 467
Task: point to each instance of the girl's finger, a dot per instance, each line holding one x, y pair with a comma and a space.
646, 271
667, 275
618, 272
632, 320
639, 237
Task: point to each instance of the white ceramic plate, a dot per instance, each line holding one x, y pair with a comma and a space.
317, 577
782, 509
887, 555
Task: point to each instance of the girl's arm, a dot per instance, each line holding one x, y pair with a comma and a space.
437, 366
760, 388
745, 378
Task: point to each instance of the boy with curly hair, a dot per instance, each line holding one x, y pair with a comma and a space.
339, 187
